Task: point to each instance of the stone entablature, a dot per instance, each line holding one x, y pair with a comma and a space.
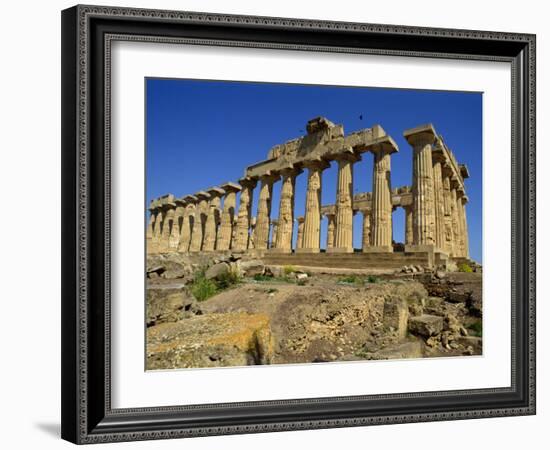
213, 220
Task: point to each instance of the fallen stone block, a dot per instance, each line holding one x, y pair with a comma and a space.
426, 325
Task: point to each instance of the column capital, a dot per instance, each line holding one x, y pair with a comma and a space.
190, 199
248, 182
316, 164
345, 154
270, 177
299, 220
180, 202
464, 172
215, 192
383, 145
202, 195
230, 187
290, 170
421, 135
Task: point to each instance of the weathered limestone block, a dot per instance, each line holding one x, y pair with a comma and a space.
426, 325
264, 211
311, 241
211, 340
242, 234
396, 315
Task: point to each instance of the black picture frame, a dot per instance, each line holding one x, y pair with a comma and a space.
87, 415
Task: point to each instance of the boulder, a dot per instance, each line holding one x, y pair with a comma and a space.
168, 305
217, 271
252, 267
426, 325
412, 349
176, 272
213, 340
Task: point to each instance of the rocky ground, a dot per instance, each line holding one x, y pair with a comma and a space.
227, 311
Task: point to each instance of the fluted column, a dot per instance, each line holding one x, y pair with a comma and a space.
176, 229
285, 223
466, 246
300, 234
366, 238
447, 209
312, 220
212, 214
242, 234
461, 250
439, 204
273, 243
409, 225
185, 232
228, 216
454, 217
264, 211
199, 223
424, 232
343, 239
331, 226
157, 231
164, 244
381, 215
150, 231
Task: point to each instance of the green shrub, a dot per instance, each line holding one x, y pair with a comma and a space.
260, 277
463, 267
372, 279
227, 280
477, 328
203, 289
287, 270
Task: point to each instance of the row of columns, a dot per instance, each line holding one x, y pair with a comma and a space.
438, 211
436, 218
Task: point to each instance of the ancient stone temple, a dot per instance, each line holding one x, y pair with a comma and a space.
436, 228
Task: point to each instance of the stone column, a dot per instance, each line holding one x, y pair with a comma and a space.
228, 216
150, 231
343, 239
424, 233
381, 214
300, 234
242, 235
185, 232
176, 229
273, 243
408, 225
331, 225
285, 223
454, 217
200, 221
466, 246
212, 214
461, 250
439, 203
366, 238
447, 209
157, 231
311, 241
261, 240
164, 244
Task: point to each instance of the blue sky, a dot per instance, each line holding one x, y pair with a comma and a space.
203, 133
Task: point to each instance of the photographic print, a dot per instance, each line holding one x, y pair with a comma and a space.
292, 223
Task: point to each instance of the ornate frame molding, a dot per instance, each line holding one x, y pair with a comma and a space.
88, 32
